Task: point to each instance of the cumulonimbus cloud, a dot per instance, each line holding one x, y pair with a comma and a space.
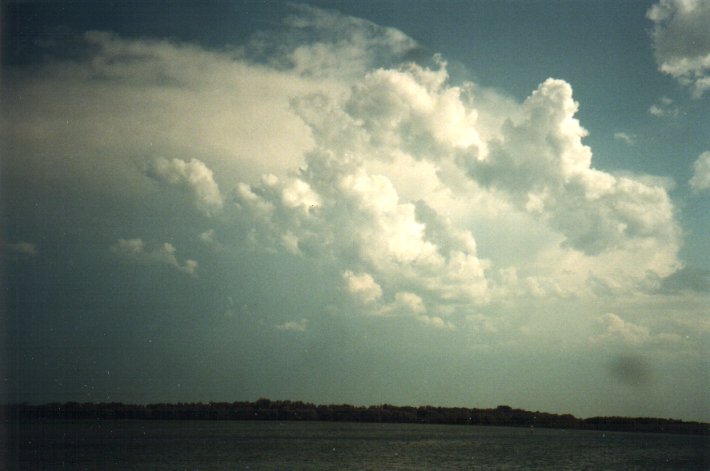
335, 147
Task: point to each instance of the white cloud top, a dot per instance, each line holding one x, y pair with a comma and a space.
194, 176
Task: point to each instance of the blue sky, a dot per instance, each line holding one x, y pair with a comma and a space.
448, 203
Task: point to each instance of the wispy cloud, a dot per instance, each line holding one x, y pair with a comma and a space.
663, 108
626, 138
294, 326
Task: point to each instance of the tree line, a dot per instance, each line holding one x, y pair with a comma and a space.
265, 409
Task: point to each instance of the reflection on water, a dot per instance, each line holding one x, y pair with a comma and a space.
216, 445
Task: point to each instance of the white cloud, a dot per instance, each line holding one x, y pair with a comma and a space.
363, 286
427, 197
340, 46
194, 176
617, 329
664, 108
135, 249
681, 39
411, 302
701, 173
542, 160
624, 137
207, 237
535, 170
294, 326
22, 248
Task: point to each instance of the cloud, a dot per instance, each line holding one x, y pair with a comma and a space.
135, 249
194, 176
362, 286
366, 212
663, 108
338, 45
681, 39
294, 326
326, 145
436, 322
626, 138
22, 248
543, 167
207, 237
619, 330
700, 180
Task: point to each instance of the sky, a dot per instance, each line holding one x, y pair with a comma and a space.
453, 203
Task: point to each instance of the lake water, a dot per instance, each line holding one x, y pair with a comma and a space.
233, 445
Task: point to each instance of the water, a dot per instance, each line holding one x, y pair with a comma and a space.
227, 445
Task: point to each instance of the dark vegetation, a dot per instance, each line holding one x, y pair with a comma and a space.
265, 409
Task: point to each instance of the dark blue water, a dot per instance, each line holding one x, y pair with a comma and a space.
216, 445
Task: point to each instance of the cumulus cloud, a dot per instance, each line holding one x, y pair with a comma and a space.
681, 39
136, 249
355, 203
193, 176
325, 141
362, 286
700, 180
543, 167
